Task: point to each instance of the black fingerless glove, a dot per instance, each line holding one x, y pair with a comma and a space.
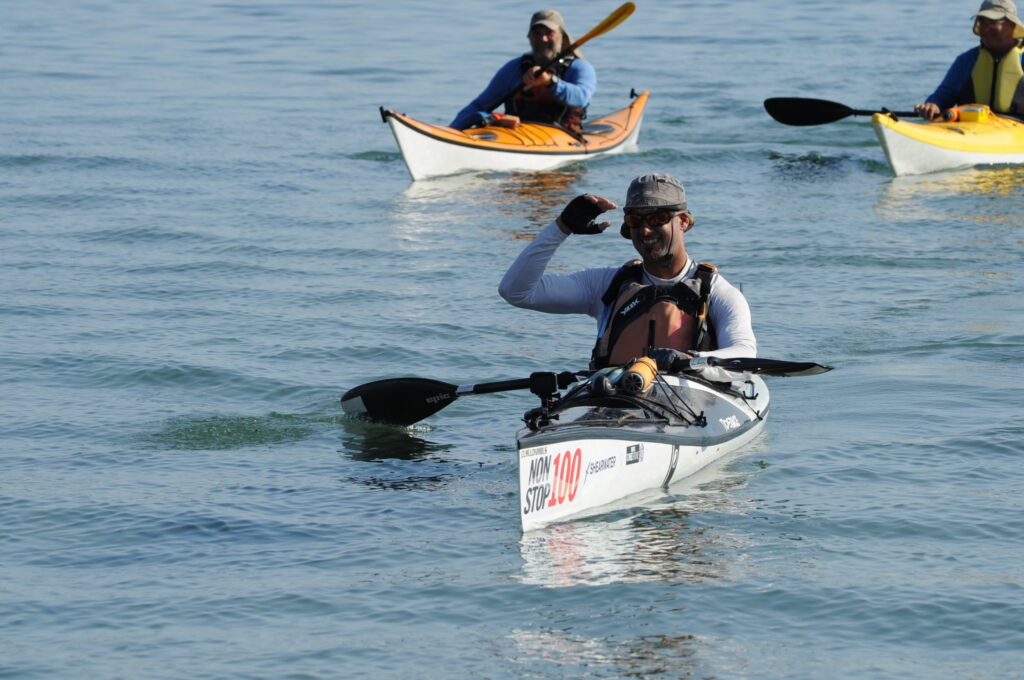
670, 360
579, 217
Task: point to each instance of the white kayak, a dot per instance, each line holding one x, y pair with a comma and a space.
596, 445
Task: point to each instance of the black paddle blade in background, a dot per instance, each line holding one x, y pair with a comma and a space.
801, 111
774, 367
401, 401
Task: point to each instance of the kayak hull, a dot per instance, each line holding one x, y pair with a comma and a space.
432, 150
595, 454
919, 147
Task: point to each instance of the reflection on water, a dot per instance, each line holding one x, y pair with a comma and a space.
543, 194
374, 443
660, 545
607, 657
914, 196
535, 197
657, 542
369, 442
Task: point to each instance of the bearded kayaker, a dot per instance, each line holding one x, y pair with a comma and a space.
992, 73
559, 95
665, 300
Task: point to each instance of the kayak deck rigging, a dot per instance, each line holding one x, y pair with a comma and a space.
672, 408
603, 441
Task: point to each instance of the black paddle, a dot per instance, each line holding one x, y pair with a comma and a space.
773, 367
610, 22
404, 401
799, 111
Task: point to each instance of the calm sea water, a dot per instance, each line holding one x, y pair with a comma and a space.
208, 235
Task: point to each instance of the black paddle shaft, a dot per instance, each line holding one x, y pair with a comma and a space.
773, 367
521, 86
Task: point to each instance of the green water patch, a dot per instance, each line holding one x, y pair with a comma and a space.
378, 156
231, 432
809, 166
876, 166
77, 162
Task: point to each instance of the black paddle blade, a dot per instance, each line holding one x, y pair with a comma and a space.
770, 366
401, 401
799, 111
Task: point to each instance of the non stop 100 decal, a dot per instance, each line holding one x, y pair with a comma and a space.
553, 481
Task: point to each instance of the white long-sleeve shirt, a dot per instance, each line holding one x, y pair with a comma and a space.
526, 285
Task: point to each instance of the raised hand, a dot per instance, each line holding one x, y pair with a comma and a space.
580, 216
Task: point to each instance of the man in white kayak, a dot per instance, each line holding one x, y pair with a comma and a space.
992, 73
664, 301
559, 95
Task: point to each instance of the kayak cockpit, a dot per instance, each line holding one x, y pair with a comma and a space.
671, 400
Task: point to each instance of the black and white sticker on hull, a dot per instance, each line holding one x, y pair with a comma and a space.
634, 454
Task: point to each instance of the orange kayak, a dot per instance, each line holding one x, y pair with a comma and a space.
433, 150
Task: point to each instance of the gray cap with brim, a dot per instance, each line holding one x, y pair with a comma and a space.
655, 191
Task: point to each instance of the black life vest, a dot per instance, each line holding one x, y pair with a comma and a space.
637, 316
539, 105
997, 82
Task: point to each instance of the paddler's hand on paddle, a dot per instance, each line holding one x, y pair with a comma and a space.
928, 111
537, 78
580, 216
670, 360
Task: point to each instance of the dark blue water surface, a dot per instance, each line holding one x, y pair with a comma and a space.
208, 236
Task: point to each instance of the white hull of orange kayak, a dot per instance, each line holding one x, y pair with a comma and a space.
432, 151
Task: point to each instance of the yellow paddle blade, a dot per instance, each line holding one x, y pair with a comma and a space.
610, 22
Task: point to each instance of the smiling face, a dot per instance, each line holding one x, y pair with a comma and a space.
996, 34
660, 243
545, 42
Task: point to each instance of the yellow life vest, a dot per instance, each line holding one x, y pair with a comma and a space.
999, 83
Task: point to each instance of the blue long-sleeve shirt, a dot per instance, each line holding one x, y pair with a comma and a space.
948, 92
575, 88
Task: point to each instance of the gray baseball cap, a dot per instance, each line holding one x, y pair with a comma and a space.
1000, 9
655, 191
549, 18
554, 21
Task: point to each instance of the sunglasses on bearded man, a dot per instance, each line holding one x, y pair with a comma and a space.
658, 218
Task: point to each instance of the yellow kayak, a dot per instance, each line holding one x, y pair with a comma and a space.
432, 150
976, 137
